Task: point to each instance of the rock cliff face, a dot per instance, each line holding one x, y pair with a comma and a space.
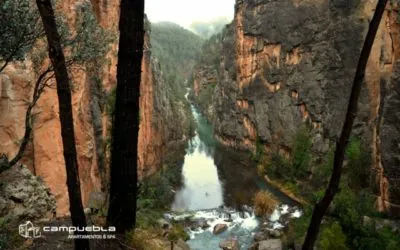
44, 156
289, 62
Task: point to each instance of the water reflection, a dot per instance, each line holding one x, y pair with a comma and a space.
202, 188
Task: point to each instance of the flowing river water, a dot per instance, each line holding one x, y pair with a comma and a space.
217, 188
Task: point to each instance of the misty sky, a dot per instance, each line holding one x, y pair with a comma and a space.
184, 12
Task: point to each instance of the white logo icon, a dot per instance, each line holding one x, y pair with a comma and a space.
28, 230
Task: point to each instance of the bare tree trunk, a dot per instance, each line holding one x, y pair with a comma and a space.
341, 144
66, 119
123, 183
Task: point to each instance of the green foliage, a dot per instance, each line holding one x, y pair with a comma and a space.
91, 42
154, 197
358, 163
301, 152
332, 237
323, 171
20, 28
9, 237
24, 27
176, 48
280, 167
110, 106
297, 166
178, 232
300, 225
349, 209
259, 152
156, 191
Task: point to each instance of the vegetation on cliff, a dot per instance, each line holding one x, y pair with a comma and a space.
346, 223
177, 50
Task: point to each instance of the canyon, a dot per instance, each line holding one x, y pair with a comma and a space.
282, 65
264, 77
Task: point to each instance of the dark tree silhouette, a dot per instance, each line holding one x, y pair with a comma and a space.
57, 59
123, 183
341, 144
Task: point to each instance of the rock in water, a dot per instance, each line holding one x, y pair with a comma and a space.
275, 233
203, 224
230, 244
260, 236
270, 245
219, 228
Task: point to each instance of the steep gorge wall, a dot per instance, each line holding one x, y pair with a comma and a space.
289, 62
44, 155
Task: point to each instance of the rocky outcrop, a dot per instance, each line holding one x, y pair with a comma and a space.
25, 196
287, 63
44, 155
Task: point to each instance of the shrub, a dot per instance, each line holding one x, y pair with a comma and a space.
332, 237
301, 153
279, 167
259, 151
144, 239
323, 171
358, 163
178, 232
264, 203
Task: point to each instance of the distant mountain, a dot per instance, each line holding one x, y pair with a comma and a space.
177, 50
207, 29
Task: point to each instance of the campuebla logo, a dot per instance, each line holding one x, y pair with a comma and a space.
28, 230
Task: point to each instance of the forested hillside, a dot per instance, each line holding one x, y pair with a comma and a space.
176, 48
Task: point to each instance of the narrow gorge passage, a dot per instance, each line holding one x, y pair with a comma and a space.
201, 198
202, 188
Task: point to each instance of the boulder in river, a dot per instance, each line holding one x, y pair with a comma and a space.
230, 244
260, 236
275, 233
219, 228
203, 224
275, 244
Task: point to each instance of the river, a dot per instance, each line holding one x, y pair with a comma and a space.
217, 188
